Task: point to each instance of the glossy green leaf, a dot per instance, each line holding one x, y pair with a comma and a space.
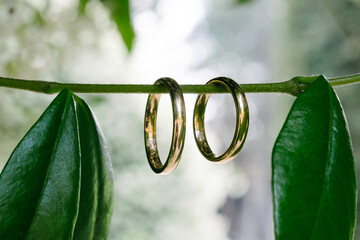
39, 185
313, 177
96, 198
58, 182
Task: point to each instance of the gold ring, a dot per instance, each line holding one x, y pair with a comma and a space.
242, 121
179, 128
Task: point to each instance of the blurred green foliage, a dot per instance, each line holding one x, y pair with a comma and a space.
120, 14
346, 14
243, 1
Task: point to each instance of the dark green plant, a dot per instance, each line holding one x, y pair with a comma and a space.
313, 176
57, 183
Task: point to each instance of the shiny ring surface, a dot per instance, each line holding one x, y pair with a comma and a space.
179, 128
242, 121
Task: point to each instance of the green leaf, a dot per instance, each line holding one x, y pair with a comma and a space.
39, 185
82, 6
96, 198
58, 182
120, 13
313, 177
243, 1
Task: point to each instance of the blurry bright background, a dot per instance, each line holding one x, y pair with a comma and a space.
192, 42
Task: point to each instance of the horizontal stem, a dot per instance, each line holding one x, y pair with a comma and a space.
293, 86
345, 80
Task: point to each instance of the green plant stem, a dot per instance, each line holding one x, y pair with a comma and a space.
345, 80
293, 86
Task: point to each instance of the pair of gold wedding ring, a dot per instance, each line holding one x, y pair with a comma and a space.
179, 124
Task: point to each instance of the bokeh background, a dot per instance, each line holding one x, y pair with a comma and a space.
191, 41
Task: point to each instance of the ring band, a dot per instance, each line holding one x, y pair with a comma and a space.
242, 121
179, 126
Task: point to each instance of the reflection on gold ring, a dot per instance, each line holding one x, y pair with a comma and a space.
179, 128
242, 121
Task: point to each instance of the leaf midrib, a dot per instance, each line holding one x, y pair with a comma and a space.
62, 123
326, 177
